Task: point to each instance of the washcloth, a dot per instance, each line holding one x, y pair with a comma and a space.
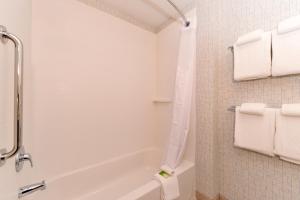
291, 110
253, 108
250, 37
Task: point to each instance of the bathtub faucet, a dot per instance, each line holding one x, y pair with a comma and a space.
29, 189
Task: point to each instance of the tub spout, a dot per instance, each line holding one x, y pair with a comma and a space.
29, 189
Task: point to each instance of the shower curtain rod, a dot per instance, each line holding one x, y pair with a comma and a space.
186, 22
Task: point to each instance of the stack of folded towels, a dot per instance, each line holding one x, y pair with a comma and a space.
269, 131
252, 56
252, 52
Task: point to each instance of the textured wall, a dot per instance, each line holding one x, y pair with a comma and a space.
236, 173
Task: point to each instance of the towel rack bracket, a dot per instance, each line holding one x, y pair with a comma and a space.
2, 37
231, 108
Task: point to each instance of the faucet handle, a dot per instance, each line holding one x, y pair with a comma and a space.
21, 158
27, 157
29, 189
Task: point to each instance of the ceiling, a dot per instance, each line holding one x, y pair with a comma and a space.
152, 15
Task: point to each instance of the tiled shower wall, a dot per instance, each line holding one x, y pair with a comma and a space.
238, 174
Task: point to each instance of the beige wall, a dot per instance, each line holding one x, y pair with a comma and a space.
93, 84
167, 51
238, 174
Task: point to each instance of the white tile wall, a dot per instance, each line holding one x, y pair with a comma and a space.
238, 174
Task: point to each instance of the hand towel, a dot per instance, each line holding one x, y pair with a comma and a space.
250, 37
289, 25
170, 186
253, 108
252, 59
255, 132
287, 138
291, 110
286, 48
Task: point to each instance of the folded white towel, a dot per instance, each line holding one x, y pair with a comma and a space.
289, 25
286, 49
250, 37
252, 59
255, 132
170, 187
287, 138
253, 108
291, 110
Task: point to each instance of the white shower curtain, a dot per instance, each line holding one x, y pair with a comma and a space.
184, 88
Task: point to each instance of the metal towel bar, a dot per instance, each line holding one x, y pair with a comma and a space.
232, 108
18, 90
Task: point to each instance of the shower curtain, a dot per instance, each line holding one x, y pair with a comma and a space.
184, 88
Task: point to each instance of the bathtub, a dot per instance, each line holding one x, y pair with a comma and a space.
129, 177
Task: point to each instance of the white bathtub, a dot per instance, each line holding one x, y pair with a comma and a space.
129, 177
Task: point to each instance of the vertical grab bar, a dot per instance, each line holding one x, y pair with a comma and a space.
18, 93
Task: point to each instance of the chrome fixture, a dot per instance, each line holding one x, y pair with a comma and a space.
186, 22
231, 48
3, 29
2, 151
21, 158
233, 108
18, 89
29, 189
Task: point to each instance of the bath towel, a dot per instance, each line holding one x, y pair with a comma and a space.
255, 132
287, 138
286, 48
252, 56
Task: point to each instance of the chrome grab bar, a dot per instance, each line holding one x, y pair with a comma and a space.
18, 93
